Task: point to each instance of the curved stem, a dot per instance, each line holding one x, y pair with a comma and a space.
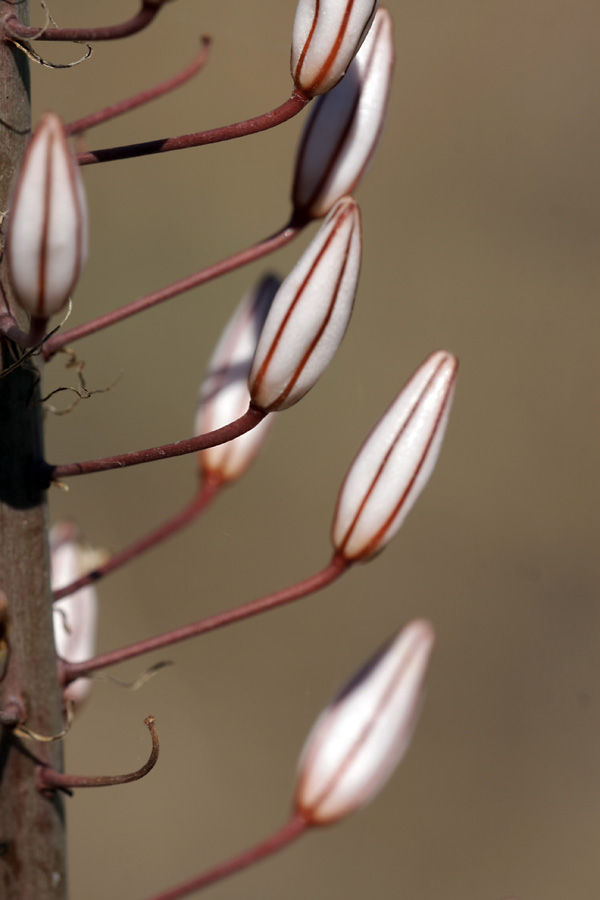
277, 116
236, 261
141, 20
123, 106
9, 327
292, 830
337, 566
207, 492
49, 778
245, 423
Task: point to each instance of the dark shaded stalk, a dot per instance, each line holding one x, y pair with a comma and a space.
9, 328
130, 103
32, 826
277, 116
236, 261
50, 779
336, 567
148, 11
245, 423
292, 830
207, 492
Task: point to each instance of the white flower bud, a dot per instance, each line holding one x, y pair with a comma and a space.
310, 313
343, 130
395, 462
363, 734
47, 229
75, 616
326, 36
224, 394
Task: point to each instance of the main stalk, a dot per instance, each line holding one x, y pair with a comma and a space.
32, 839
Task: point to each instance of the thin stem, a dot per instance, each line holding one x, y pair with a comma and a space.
292, 830
236, 261
9, 328
277, 116
207, 492
142, 19
50, 778
336, 567
245, 423
123, 106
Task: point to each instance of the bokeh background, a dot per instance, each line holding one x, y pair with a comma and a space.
481, 230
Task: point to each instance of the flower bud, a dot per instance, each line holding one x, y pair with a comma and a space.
75, 616
343, 131
47, 231
326, 36
310, 313
224, 394
395, 462
363, 734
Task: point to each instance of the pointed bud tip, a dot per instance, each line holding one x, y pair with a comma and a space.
395, 462
343, 130
326, 36
47, 228
224, 395
310, 313
363, 734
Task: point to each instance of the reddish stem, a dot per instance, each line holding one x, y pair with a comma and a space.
123, 106
337, 566
142, 19
25, 339
257, 251
245, 423
276, 116
292, 830
50, 778
207, 492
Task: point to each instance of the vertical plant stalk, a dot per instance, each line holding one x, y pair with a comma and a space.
32, 841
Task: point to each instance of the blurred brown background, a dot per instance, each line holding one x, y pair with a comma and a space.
481, 236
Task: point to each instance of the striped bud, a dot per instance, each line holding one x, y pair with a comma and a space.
343, 130
395, 462
326, 36
75, 616
363, 734
310, 313
224, 394
47, 230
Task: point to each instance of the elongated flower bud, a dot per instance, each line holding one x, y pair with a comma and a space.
310, 313
363, 734
75, 616
47, 230
327, 34
345, 125
395, 462
224, 394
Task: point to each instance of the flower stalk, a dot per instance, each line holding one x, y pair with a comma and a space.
336, 567
49, 779
148, 11
263, 122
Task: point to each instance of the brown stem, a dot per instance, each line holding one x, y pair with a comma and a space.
245, 423
292, 830
274, 117
257, 251
337, 566
207, 492
32, 836
117, 109
9, 328
149, 9
48, 778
